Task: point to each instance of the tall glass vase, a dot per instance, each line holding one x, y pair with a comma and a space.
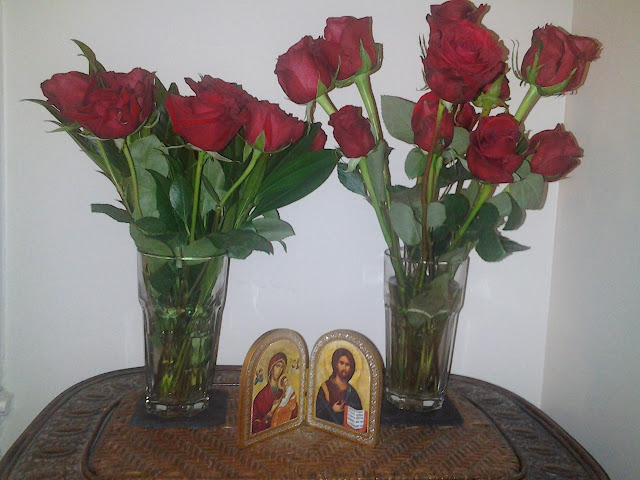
422, 303
182, 301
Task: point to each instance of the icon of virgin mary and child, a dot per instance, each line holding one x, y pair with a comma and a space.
276, 403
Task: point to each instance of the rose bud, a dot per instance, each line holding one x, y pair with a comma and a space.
554, 153
462, 57
491, 155
556, 57
280, 129
465, 116
341, 45
304, 70
319, 141
456, 10
352, 131
423, 122
114, 110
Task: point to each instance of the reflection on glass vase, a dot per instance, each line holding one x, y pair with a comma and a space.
422, 303
182, 301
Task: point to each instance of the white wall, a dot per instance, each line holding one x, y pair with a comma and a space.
591, 380
72, 308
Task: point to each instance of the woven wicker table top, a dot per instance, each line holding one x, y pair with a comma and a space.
86, 434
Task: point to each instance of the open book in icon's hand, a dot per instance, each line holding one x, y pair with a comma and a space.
356, 419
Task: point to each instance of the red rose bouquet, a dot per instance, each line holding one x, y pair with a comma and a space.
474, 166
196, 175
200, 178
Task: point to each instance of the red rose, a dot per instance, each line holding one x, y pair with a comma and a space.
462, 57
456, 10
280, 129
319, 141
465, 116
214, 90
212, 118
114, 110
491, 155
423, 122
559, 54
342, 39
65, 90
352, 131
301, 69
554, 153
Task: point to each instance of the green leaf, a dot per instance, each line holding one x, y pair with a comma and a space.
415, 163
240, 243
163, 203
118, 214
376, 161
528, 192
148, 153
460, 140
94, 65
516, 216
151, 226
404, 223
471, 192
213, 186
273, 229
493, 247
202, 248
438, 300
181, 199
396, 113
148, 244
250, 188
487, 218
294, 180
436, 215
503, 203
352, 181
457, 208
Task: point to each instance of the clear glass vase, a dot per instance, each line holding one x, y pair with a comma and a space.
422, 303
182, 301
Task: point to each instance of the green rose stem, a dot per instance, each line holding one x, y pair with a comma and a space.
104, 156
363, 82
202, 156
528, 102
254, 159
134, 177
327, 105
485, 192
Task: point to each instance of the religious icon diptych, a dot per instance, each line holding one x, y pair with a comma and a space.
273, 383
345, 386
339, 390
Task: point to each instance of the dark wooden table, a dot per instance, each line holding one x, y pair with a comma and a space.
85, 433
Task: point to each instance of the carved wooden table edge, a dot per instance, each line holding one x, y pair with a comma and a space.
532, 434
